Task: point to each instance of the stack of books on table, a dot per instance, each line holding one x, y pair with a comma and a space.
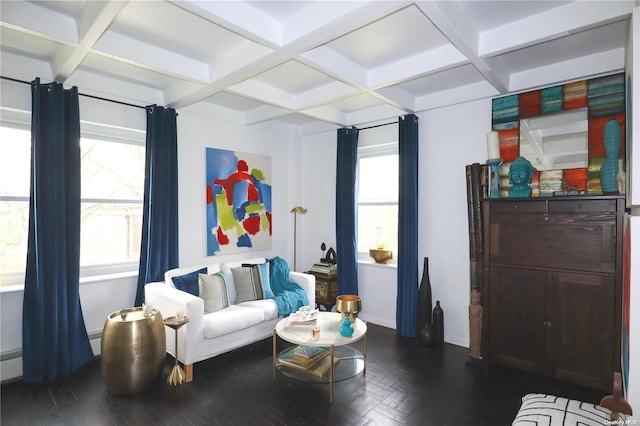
310, 359
325, 268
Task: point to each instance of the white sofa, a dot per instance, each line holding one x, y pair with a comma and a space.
212, 334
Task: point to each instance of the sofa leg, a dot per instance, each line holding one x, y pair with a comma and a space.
188, 372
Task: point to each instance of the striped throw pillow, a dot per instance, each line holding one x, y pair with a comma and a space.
213, 291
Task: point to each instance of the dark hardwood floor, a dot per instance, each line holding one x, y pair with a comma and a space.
404, 385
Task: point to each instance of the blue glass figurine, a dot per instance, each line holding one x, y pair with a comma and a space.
346, 329
520, 175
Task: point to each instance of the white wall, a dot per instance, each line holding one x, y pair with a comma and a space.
450, 138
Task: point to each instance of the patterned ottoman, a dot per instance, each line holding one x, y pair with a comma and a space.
550, 410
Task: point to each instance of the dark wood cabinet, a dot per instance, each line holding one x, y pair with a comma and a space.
326, 289
552, 291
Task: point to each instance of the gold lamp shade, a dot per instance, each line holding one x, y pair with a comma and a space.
349, 305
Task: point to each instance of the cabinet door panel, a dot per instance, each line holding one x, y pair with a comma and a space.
516, 323
581, 331
550, 242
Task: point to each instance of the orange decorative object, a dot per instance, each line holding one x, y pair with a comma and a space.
509, 144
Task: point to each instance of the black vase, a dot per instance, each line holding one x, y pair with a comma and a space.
427, 336
438, 323
425, 331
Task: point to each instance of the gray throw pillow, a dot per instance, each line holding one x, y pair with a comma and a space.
248, 283
213, 291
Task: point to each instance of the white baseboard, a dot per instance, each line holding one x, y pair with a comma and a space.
11, 361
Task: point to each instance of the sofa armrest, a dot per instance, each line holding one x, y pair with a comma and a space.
169, 301
308, 283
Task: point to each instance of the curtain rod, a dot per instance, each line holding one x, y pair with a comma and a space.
378, 125
81, 94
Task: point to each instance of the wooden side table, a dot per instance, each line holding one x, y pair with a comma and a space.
177, 376
326, 289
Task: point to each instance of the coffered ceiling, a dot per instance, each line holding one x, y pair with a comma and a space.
316, 64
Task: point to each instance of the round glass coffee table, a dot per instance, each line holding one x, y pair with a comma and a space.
336, 360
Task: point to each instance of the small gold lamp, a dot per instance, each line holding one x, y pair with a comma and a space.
349, 305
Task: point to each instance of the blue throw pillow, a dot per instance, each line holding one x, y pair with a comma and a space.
189, 282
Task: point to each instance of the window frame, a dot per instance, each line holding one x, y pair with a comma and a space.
369, 151
101, 132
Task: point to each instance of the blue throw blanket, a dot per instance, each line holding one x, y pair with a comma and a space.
287, 294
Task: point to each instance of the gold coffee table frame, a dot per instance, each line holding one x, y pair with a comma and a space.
177, 376
329, 323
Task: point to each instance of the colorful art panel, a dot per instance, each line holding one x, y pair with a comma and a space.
575, 95
530, 103
551, 99
238, 201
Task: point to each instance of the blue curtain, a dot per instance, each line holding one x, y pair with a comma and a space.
346, 246
54, 337
159, 249
407, 301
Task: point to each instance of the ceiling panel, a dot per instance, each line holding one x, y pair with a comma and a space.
491, 14
444, 80
235, 102
172, 28
294, 77
403, 34
280, 10
578, 45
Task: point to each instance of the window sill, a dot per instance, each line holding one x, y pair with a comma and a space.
378, 265
83, 280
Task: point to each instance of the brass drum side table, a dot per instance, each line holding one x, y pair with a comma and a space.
132, 350
177, 376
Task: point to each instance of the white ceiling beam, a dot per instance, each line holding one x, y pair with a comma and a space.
151, 57
95, 19
551, 24
580, 68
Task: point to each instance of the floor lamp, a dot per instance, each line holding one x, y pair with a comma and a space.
296, 211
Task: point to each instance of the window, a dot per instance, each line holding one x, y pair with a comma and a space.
377, 183
112, 170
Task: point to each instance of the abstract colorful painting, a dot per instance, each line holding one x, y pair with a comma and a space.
238, 200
